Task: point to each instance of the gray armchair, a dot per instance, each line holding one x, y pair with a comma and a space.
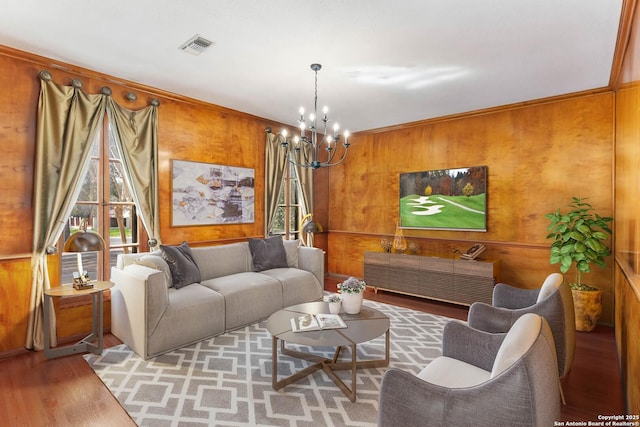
553, 301
481, 379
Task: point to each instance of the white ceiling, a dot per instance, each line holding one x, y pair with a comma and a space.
385, 62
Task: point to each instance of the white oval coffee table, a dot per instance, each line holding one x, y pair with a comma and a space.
364, 326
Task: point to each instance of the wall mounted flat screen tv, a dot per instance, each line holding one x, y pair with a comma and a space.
445, 199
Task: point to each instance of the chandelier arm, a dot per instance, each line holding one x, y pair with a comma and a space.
344, 156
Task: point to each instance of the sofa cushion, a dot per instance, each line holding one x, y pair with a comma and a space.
248, 297
193, 314
157, 263
268, 253
222, 260
291, 249
184, 270
298, 286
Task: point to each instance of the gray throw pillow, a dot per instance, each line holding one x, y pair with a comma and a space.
291, 249
268, 253
184, 270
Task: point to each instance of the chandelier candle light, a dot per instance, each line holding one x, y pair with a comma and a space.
310, 146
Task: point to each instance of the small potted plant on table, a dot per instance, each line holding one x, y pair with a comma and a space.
352, 291
579, 239
334, 301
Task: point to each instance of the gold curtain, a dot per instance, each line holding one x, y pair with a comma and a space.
67, 123
66, 126
305, 189
136, 135
275, 163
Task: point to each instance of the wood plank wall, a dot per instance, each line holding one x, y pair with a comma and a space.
538, 158
188, 130
627, 222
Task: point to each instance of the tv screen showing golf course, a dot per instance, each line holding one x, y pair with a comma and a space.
444, 199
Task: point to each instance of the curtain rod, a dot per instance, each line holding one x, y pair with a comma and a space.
106, 90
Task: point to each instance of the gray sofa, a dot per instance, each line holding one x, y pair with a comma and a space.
152, 316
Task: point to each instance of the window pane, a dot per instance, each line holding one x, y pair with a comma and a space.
278, 221
83, 213
118, 187
70, 265
121, 223
281, 196
89, 189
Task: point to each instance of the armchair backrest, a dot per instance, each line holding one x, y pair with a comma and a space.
517, 342
551, 283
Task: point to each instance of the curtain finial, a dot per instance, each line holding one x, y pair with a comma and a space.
155, 102
45, 75
77, 83
106, 90
132, 96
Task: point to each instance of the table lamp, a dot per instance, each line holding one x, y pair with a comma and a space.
83, 241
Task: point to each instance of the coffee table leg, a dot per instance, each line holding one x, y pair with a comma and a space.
274, 362
277, 385
329, 366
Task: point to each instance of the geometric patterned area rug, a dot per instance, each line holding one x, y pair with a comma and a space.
226, 380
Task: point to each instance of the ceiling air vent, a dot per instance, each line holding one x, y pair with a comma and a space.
196, 45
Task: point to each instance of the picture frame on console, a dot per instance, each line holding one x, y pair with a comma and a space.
208, 194
444, 199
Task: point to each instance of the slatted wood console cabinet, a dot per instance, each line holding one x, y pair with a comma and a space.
446, 279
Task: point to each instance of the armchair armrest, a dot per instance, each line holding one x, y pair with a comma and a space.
491, 319
406, 400
511, 297
469, 345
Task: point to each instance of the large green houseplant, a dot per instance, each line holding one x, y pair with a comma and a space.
579, 239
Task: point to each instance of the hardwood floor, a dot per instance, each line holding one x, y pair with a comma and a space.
35, 391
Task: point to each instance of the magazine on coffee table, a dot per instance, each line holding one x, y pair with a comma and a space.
309, 322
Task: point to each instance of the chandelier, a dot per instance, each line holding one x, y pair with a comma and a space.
306, 150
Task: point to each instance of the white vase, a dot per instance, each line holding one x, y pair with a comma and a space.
352, 303
334, 307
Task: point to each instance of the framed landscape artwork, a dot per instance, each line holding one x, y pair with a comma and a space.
444, 199
208, 194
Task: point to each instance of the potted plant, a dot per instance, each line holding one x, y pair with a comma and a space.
352, 291
579, 239
334, 301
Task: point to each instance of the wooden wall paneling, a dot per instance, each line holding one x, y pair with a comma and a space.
15, 292
188, 129
627, 336
18, 104
537, 162
627, 223
196, 133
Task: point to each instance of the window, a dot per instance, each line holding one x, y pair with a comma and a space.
104, 205
287, 216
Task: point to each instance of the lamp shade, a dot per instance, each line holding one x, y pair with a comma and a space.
312, 227
84, 241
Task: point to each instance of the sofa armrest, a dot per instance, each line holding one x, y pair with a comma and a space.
312, 260
139, 299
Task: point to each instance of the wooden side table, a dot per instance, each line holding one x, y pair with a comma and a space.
93, 341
